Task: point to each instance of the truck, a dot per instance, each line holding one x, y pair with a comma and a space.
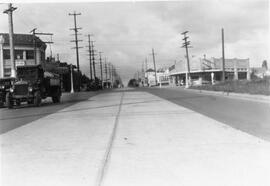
32, 85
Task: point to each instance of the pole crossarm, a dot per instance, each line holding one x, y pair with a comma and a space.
10, 9
76, 40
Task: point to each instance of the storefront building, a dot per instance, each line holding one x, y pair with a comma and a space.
28, 50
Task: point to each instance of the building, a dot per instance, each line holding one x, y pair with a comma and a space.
205, 70
162, 77
28, 50
260, 72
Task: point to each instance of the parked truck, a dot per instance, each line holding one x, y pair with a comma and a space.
32, 85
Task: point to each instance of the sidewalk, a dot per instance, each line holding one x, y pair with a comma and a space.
155, 142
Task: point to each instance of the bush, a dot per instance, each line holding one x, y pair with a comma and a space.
257, 86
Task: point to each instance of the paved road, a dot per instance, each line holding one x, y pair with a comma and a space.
19, 116
131, 138
249, 116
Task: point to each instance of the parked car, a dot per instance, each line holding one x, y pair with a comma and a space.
5, 84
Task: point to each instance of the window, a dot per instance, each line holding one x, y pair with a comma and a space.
7, 72
6, 54
29, 54
18, 54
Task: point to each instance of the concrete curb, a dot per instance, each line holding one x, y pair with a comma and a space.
261, 98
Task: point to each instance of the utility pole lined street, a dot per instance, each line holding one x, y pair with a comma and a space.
135, 108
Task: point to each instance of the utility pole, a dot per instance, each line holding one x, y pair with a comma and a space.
51, 48
93, 59
154, 61
100, 62
146, 67
76, 37
106, 71
90, 56
109, 69
223, 55
71, 79
142, 68
35, 44
186, 45
112, 74
9, 11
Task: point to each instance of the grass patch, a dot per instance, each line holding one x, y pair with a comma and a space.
258, 86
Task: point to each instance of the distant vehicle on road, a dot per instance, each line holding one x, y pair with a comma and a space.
5, 84
33, 84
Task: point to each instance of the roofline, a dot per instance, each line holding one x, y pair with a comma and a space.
196, 71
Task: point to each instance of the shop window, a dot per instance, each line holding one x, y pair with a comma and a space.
6, 54
29, 54
18, 54
7, 72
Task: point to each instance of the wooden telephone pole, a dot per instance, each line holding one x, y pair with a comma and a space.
223, 55
93, 59
154, 61
35, 42
186, 45
100, 62
90, 56
9, 11
76, 37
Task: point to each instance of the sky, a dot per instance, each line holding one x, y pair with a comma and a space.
126, 31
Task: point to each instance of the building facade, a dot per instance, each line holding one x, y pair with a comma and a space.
210, 70
28, 50
162, 77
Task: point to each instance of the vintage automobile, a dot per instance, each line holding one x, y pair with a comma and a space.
5, 84
33, 84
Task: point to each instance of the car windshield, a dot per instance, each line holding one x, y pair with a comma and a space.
29, 74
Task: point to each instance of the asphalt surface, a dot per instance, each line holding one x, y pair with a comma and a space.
245, 115
248, 116
19, 116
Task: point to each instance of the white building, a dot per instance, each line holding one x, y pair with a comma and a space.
202, 69
162, 77
24, 47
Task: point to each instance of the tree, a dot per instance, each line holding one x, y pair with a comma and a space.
264, 64
133, 83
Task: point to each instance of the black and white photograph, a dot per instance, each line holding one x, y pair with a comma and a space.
134, 93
